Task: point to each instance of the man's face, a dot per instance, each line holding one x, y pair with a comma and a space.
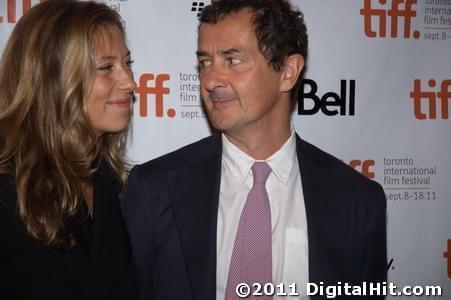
240, 90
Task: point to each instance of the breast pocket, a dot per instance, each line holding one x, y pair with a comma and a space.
296, 260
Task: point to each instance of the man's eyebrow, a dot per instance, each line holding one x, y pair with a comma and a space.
202, 53
229, 51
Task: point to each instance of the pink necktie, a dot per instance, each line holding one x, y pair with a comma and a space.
251, 260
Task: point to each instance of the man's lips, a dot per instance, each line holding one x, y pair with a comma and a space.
222, 96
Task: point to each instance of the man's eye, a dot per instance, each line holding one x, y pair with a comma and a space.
129, 63
204, 63
234, 60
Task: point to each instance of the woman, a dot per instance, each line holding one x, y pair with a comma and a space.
65, 104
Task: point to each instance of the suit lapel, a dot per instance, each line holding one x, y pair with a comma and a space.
326, 215
194, 194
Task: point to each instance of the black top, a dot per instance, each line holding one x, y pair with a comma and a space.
98, 267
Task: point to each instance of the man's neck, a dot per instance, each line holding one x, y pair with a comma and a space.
260, 144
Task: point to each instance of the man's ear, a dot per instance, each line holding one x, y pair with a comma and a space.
291, 72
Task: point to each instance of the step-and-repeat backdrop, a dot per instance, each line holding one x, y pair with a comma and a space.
376, 94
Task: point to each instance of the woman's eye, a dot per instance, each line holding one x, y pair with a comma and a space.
105, 67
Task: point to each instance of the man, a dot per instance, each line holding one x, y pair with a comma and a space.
200, 225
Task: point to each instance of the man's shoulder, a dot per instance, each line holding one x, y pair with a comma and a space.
334, 167
206, 148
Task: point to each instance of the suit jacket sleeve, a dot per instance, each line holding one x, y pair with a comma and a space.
372, 262
375, 263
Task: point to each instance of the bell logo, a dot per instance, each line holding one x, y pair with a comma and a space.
430, 97
11, 11
365, 167
395, 12
447, 255
331, 104
143, 90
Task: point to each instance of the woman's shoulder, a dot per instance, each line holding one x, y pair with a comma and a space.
7, 189
8, 199
106, 174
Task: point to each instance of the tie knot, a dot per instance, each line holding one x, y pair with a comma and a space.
261, 171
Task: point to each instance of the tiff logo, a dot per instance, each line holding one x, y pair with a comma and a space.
365, 167
11, 10
447, 255
158, 89
197, 7
430, 97
395, 13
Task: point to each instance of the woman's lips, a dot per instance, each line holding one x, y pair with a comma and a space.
120, 102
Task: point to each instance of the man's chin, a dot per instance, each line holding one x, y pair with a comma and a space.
222, 125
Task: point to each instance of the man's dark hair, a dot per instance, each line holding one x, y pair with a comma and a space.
279, 27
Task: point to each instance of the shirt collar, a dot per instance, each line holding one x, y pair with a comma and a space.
236, 161
283, 161
239, 163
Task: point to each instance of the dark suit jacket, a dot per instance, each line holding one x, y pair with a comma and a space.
171, 208
98, 267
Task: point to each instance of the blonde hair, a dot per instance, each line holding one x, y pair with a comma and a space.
46, 139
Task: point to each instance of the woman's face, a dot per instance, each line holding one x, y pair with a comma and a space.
110, 102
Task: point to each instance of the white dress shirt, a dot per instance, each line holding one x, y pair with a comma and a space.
288, 218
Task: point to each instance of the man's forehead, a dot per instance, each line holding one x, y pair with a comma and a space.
240, 20
230, 32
